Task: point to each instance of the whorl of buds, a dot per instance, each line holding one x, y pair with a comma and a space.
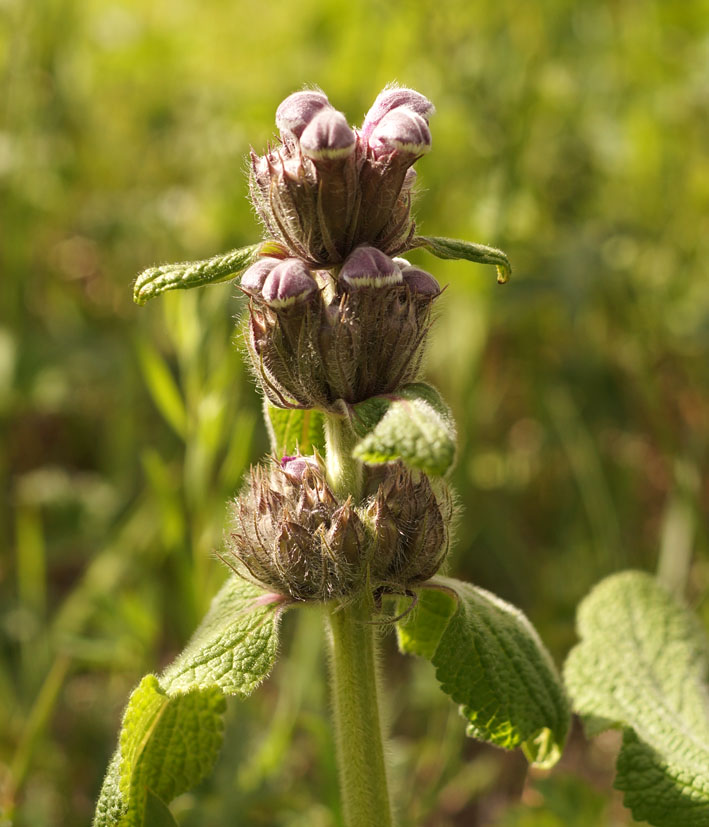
326, 188
288, 532
411, 527
362, 336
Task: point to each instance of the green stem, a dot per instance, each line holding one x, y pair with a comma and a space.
358, 731
360, 754
344, 474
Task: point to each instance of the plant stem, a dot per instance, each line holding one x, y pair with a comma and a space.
358, 731
360, 754
344, 474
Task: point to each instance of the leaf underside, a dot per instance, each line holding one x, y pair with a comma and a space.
172, 726
295, 431
489, 659
642, 664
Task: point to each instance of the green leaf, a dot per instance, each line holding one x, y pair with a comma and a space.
642, 664
489, 659
184, 275
294, 430
163, 388
453, 248
172, 726
234, 647
111, 805
167, 744
413, 425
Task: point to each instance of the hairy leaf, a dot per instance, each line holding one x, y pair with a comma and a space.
642, 664
235, 645
167, 744
489, 659
294, 430
172, 726
453, 248
413, 425
184, 275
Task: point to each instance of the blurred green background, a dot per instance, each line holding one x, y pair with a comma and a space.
572, 135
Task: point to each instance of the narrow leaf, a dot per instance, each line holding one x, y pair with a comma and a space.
163, 388
187, 274
489, 659
453, 248
413, 425
294, 430
642, 663
234, 647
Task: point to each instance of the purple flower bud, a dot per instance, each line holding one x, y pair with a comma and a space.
295, 467
391, 99
253, 278
420, 281
298, 109
369, 267
401, 130
327, 136
287, 283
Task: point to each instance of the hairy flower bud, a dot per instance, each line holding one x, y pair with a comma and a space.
411, 526
369, 267
253, 278
297, 110
393, 98
327, 137
288, 532
402, 131
327, 189
288, 282
418, 280
362, 337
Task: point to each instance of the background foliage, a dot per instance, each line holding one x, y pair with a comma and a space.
572, 135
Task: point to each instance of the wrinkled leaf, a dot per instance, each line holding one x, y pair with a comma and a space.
642, 663
413, 425
453, 248
234, 647
294, 430
167, 744
187, 274
172, 726
489, 659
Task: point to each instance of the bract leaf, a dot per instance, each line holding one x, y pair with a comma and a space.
187, 274
489, 659
293, 430
642, 664
454, 248
413, 425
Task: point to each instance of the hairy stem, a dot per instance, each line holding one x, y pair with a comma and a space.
358, 731
360, 753
344, 474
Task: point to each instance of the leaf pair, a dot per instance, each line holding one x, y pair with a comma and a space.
185, 275
172, 727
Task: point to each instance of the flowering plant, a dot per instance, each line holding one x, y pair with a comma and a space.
352, 512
